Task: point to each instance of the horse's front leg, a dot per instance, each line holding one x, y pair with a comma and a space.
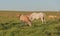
42, 20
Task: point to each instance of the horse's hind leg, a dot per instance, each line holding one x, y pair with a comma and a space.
44, 21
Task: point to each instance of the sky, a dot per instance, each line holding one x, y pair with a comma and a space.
30, 5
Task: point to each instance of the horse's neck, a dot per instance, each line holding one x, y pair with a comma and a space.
20, 16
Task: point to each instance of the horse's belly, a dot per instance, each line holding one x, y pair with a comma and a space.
35, 17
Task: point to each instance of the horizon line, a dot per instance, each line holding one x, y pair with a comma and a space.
29, 10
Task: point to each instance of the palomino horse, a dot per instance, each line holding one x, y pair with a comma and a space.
25, 19
52, 16
36, 16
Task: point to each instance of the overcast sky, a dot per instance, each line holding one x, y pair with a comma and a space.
30, 5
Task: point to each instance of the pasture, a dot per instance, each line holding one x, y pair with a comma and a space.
10, 25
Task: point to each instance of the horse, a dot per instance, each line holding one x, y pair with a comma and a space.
24, 18
52, 16
36, 16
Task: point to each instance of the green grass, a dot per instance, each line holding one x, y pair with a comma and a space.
10, 25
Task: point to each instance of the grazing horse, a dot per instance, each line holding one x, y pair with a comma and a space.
36, 16
25, 19
52, 16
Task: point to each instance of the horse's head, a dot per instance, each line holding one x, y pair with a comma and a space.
18, 15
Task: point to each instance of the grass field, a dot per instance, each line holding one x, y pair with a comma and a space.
10, 25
